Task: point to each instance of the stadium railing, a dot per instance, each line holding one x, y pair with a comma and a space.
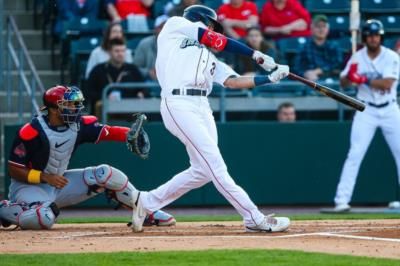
262, 98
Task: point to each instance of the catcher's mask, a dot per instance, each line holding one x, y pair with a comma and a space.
69, 100
205, 15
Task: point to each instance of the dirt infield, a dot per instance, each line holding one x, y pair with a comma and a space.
374, 238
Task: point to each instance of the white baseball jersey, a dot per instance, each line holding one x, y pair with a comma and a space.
385, 65
182, 62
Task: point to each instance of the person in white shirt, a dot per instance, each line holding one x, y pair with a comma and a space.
101, 54
186, 69
375, 70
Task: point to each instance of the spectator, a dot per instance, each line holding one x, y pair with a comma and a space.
113, 71
119, 9
237, 16
146, 51
71, 9
285, 18
100, 54
177, 10
255, 40
286, 113
319, 58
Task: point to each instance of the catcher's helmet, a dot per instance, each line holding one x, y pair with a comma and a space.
372, 27
203, 14
69, 100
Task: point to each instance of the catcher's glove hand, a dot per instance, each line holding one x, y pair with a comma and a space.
137, 139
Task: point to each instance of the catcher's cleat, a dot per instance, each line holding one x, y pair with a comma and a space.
270, 224
138, 214
159, 218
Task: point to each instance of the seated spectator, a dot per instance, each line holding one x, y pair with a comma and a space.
113, 71
285, 18
254, 39
237, 16
319, 58
119, 9
146, 51
286, 113
72, 9
177, 10
100, 54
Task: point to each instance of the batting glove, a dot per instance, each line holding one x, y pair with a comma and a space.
280, 72
265, 61
354, 77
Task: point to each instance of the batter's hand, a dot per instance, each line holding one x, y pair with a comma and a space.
279, 73
265, 61
354, 77
57, 181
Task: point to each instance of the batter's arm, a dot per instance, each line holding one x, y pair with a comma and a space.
384, 84
32, 176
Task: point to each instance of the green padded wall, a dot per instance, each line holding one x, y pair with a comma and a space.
275, 163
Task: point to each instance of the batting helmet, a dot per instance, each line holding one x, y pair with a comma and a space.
372, 27
203, 14
68, 99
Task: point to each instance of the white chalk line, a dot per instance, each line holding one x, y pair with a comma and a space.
258, 236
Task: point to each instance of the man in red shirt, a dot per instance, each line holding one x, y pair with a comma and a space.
237, 16
120, 9
285, 18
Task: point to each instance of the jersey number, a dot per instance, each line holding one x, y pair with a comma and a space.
212, 70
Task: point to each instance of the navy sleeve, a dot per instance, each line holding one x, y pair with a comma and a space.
90, 132
22, 152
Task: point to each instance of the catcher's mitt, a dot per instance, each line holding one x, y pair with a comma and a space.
137, 139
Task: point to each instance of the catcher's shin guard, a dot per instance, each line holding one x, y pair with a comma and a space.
113, 180
36, 215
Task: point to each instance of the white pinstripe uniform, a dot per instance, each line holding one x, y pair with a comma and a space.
382, 111
183, 64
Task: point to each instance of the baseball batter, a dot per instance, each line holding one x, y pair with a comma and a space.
186, 70
375, 70
39, 158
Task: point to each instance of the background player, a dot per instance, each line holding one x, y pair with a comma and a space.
186, 70
375, 70
40, 181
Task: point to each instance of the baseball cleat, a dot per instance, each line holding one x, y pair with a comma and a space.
138, 214
394, 205
344, 207
159, 218
270, 224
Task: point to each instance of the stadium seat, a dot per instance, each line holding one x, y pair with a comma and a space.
344, 43
380, 6
214, 4
289, 47
339, 25
80, 52
82, 27
134, 39
391, 22
327, 6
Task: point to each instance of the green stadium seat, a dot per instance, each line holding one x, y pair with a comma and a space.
391, 22
339, 25
327, 6
380, 6
214, 4
134, 39
289, 47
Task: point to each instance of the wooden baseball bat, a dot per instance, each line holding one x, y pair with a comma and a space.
338, 96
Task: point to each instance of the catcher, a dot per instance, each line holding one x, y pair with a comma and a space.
39, 158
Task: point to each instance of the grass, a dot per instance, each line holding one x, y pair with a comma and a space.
219, 218
208, 257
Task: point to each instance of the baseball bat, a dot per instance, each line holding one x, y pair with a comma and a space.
338, 96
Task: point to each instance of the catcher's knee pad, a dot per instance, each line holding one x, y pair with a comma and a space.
114, 180
38, 215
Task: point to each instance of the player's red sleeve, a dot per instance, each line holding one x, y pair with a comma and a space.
113, 133
27, 132
213, 39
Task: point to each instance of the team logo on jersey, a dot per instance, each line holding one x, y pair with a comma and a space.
189, 42
20, 150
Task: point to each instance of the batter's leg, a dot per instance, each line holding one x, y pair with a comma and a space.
362, 131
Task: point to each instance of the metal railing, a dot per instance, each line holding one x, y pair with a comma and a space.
224, 100
17, 59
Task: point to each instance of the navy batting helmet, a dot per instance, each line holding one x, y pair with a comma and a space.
372, 27
203, 14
